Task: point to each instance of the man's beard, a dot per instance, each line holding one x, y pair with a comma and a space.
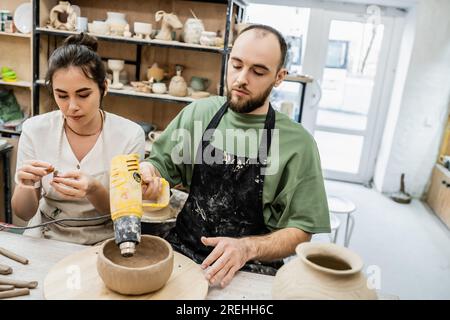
249, 105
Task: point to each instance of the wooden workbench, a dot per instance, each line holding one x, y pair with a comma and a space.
43, 254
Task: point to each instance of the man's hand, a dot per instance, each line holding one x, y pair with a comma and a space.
151, 186
228, 256
74, 184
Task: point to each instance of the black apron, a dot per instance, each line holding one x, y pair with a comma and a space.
225, 199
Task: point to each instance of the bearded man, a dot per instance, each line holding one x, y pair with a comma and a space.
255, 182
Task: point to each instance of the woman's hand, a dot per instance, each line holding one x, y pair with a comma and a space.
33, 171
74, 184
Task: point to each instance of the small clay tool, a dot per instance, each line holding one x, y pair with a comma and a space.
18, 283
13, 256
50, 170
5, 269
5, 287
14, 293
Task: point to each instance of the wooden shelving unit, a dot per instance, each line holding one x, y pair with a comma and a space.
16, 53
152, 42
8, 132
15, 34
21, 84
129, 92
197, 60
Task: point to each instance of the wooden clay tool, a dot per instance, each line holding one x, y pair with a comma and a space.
13, 256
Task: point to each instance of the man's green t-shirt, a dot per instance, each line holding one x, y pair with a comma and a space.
294, 193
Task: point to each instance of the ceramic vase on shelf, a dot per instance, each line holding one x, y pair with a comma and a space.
116, 22
178, 86
192, 30
159, 88
116, 66
322, 271
199, 83
208, 38
142, 30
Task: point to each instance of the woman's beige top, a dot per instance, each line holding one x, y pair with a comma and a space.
43, 138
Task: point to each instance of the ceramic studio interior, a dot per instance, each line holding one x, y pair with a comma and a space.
225, 149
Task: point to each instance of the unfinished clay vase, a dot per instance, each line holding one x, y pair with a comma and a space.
322, 271
178, 86
147, 271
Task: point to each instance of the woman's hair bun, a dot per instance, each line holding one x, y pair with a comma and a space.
82, 39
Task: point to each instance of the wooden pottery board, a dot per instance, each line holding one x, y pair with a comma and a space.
163, 215
75, 277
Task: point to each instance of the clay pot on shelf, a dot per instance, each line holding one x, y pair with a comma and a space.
322, 271
142, 30
208, 38
147, 271
192, 30
159, 87
199, 83
178, 86
116, 22
99, 27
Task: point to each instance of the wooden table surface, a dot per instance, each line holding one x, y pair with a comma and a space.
43, 254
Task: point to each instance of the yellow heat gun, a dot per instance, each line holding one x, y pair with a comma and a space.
126, 202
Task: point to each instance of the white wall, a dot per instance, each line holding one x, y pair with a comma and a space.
388, 7
420, 101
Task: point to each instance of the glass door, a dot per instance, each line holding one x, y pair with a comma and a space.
349, 58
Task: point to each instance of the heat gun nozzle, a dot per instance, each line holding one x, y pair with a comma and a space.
127, 249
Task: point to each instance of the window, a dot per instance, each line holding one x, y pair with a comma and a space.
337, 54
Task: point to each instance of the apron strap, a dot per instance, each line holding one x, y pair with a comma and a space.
266, 139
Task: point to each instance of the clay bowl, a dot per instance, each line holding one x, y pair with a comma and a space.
143, 28
147, 271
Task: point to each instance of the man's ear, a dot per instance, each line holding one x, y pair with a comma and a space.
282, 73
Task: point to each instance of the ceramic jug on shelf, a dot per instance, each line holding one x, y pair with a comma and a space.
178, 86
116, 22
159, 88
208, 38
192, 30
